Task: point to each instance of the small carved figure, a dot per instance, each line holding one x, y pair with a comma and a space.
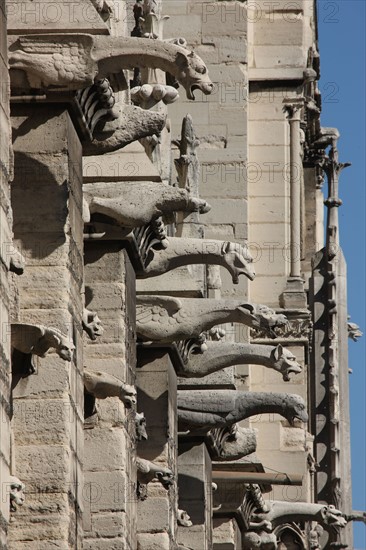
203, 410
140, 423
148, 471
76, 60
17, 262
166, 319
148, 95
183, 519
16, 494
131, 123
138, 204
102, 385
92, 324
218, 356
182, 251
37, 340
354, 331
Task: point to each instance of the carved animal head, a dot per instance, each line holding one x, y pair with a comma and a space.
295, 409
140, 424
128, 395
64, 347
166, 477
199, 205
16, 493
193, 74
248, 315
269, 318
333, 517
183, 519
238, 260
92, 324
285, 362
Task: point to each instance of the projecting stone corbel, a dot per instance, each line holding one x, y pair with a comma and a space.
219, 355
74, 61
29, 340
166, 319
178, 252
138, 204
203, 410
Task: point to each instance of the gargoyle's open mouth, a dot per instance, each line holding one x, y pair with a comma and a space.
302, 417
205, 87
287, 376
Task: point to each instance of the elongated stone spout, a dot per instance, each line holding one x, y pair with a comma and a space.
182, 251
166, 319
219, 355
135, 204
74, 61
202, 410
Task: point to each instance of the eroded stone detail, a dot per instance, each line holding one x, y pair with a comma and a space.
102, 385
76, 60
202, 410
148, 95
140, 424
183, 519
218, 356
183, 251
147, 471
234, 442
354, 331
32, 340
92, 324
17, 262
137, 204
16, 493
130, 124
166, 319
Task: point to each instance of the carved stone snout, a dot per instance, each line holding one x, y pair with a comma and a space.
17, 262
102, 385
92, 324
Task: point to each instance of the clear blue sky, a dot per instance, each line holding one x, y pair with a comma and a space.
342, 29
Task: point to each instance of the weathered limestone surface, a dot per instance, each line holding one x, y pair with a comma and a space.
5, 249
157, 397
110, 472
48, 406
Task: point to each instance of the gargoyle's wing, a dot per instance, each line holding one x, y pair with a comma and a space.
25, 337
57, 43
215, 402
150, 308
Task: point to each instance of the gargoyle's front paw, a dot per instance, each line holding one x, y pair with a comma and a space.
128, 395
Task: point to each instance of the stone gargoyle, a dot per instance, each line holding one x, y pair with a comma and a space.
16, 493
131, 124
92, 324
219, 355
28, 340
136, 204
183, 519
102, 385
166, 319
280, 512
147, 471
140, 426
16, 262
182, 251
203, 410
237, 442
74, 61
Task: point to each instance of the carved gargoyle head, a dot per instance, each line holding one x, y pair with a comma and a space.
333, 517
183, 519
92, 324
64, 348
140, 423
285, 362
166, 477
128, 395
295, 409
193, 74
16, 493
269, 318
238, 261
